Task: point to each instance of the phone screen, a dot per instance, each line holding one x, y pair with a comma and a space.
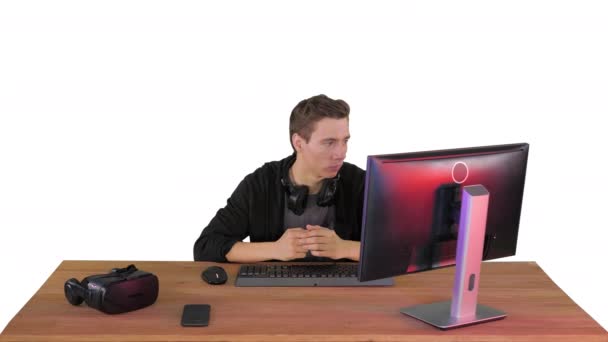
196, 315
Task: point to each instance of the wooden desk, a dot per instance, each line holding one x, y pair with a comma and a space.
537, 309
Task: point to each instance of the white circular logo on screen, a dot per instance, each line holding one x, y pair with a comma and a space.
460, 172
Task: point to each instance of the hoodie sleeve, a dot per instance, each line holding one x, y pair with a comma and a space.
230, 225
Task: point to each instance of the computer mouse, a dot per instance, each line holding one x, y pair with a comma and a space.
214, 275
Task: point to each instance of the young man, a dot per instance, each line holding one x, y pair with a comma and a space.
305, 207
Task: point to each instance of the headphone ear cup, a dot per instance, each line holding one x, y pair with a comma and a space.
74, 292
296, 195
296, 199
327, 192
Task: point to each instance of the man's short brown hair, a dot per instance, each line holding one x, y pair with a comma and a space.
305, 114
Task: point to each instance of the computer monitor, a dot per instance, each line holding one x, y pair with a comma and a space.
422, 209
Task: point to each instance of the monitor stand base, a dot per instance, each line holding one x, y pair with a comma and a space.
438, 315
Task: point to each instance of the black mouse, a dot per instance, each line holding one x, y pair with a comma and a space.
214, 275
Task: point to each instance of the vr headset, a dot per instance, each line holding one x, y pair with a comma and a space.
121, 290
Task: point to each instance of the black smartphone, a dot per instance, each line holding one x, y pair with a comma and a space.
196, 315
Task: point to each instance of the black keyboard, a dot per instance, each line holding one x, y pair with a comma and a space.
304, 275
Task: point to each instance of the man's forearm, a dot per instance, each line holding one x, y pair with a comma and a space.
353, 250
244, 252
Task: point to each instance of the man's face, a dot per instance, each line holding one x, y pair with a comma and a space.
324, 153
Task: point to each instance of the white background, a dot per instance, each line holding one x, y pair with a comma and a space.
124, 126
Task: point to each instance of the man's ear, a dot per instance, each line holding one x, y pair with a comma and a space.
297, 141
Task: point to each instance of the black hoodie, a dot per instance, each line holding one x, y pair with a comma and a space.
256, 209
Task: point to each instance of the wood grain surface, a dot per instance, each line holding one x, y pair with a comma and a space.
538, 310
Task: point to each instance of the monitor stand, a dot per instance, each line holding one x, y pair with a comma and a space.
463, 309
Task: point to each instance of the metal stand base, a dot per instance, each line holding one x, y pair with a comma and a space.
438, 315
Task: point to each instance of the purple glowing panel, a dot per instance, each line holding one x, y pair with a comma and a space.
413, 200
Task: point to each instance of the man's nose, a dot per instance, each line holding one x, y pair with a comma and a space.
340, 151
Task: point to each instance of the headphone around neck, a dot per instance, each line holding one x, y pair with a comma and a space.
298, 194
